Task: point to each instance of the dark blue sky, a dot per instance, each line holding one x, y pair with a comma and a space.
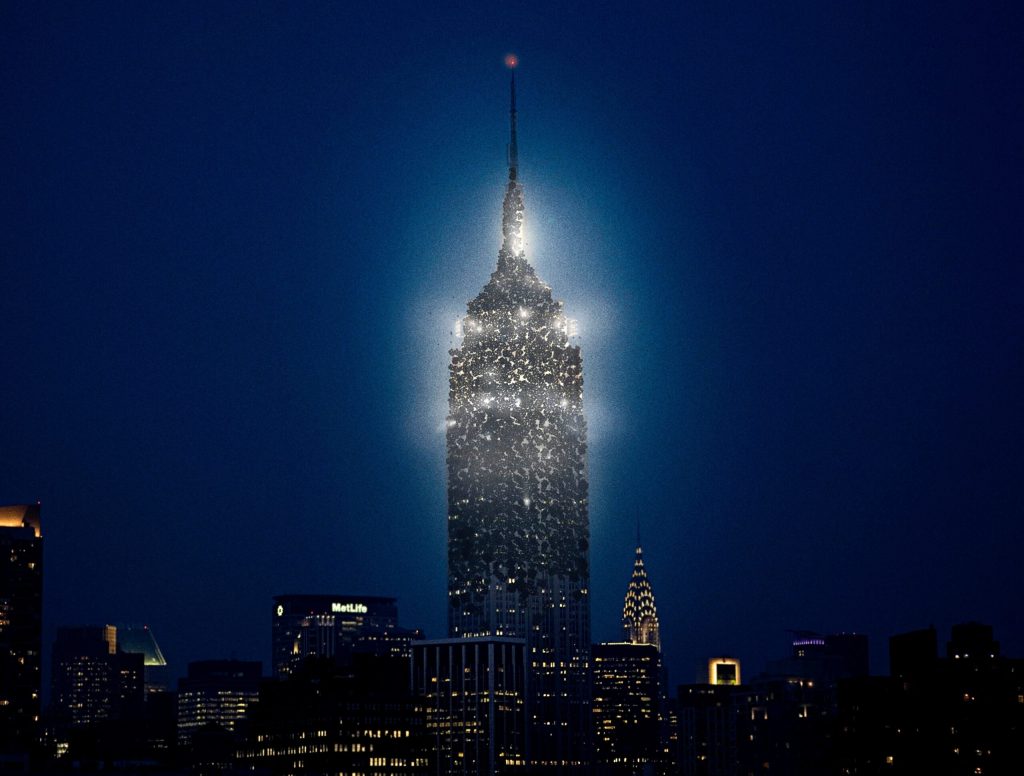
235, 238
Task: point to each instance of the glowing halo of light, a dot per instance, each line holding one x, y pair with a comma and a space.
511, 61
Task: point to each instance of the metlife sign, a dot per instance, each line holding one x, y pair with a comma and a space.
349, 608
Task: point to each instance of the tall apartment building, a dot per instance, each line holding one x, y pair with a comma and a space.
21, 615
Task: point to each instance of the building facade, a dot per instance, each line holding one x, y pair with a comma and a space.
93, 681
958, 714
518, 525
216, 692
21, 617
335, 627
632, 717
474, 693
627, 707
329, 719
709, 723
139, 639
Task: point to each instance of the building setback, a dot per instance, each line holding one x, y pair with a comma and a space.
140, 639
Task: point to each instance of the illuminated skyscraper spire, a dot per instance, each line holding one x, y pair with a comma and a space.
518, 518
513, 211
639, 615
513, 145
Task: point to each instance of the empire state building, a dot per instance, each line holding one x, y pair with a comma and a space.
518, 526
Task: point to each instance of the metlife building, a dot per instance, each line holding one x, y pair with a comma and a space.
336, 627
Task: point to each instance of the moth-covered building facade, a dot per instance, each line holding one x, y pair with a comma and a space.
518, 527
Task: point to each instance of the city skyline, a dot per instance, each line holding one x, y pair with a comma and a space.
789, 240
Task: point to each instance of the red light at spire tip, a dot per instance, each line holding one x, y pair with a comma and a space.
511, 61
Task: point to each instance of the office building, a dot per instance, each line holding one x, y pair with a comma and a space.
329, 719
824, 658
627, 707
216, 693
474, 700
139, 639
335, 627
708, 741
92, 680
518, 525
632, 717
958, 714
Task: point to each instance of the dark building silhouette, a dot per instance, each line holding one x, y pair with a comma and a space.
913, 652
708, 741
961, 714
518, 525
92, 680
335, 627
771, 725
97, 710
157, 723
824, 658
329, 719
216, 693
787, 716
474, 701
784, 725
21, 614
782, 721
972, 642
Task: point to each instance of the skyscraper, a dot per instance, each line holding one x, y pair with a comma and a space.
518, 526
639, 615
473, 693
21, 618
631, 714
627, 707
335, 627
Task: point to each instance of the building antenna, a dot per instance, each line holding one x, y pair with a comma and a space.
513, 146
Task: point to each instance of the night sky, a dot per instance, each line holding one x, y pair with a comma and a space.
234, 239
